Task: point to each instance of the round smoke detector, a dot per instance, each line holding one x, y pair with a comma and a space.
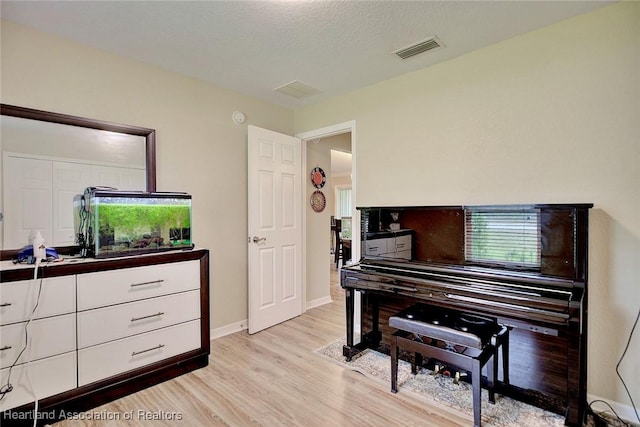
238, 117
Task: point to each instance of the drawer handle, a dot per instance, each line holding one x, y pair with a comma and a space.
153, 282
135, 353
6, 347
5, 304
135, 319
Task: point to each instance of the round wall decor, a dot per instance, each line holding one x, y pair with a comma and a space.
318, 177
318, 201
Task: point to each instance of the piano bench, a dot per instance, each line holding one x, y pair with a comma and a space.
463, 340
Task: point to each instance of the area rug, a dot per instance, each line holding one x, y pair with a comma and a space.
506, 412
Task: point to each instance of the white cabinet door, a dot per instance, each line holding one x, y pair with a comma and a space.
69, 179
28, 200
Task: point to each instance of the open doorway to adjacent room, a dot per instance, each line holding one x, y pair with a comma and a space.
332, 150
341, 218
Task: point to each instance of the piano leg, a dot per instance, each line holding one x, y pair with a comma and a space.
576, 391
370, 339
394, 363
476, 376
349, 350
505, 358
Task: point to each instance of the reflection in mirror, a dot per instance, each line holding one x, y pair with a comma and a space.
531, 239
48, 158
35, 138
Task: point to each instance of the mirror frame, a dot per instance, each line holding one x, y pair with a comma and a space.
66, 119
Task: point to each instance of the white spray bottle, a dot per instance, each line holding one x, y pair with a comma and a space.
39, 248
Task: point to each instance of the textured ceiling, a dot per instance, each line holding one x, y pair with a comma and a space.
253, 47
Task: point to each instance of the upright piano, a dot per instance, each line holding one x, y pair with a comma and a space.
524, 265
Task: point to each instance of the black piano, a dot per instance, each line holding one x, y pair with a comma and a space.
524, 265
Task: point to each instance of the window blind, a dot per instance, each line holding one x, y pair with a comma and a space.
343, 207
510, 237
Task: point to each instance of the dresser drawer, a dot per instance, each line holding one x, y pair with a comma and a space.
130, 284
48, 337
401, 243
17, 299
48, 376
400, 254
105, 360
118, 321
375, 247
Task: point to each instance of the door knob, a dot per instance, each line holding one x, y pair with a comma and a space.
257, 239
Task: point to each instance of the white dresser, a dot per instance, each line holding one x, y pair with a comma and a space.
103, 328
130, 318
389, 244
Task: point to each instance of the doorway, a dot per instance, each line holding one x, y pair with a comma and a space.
317, 235
341, 198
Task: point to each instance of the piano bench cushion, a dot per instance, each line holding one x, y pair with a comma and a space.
451, 326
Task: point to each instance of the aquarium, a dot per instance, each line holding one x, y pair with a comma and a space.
111, 223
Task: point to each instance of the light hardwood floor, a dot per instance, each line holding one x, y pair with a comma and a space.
273, 379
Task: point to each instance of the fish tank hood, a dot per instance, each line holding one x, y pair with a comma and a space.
111, 223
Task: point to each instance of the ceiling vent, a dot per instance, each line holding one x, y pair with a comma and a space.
297, 89
416, 49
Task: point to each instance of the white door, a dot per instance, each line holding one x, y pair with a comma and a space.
28, 201
275, 228
69, 180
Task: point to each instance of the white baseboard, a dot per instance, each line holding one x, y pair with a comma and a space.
228, 329
242, 325
625, 412
318, 302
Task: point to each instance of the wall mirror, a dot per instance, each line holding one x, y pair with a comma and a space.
48, 158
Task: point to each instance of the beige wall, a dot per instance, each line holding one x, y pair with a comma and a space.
199, 149
551, 116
